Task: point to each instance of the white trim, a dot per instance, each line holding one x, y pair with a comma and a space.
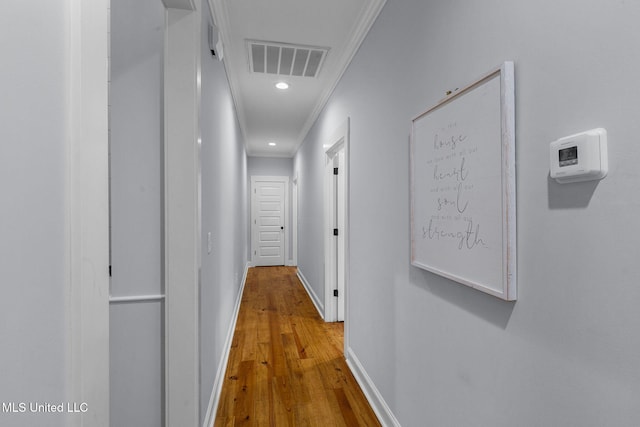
221, 20
285, 181
87, 212
377, 402
214, 400
182, 216
314, 297
347, 233
136, 298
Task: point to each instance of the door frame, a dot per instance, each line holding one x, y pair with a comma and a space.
87, 212
338, 141
260, 178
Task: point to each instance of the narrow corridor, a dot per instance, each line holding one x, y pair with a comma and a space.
286, 365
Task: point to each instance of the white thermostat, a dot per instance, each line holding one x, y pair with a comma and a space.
580, 157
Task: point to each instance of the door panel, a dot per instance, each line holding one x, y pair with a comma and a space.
270, 221
271, 208
270, 237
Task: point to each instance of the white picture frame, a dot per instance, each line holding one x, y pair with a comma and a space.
463, 185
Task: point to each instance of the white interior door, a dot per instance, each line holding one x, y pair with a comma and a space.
335, 222
340, 207
268, 220
336, 225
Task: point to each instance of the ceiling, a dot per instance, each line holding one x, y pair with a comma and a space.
321, 35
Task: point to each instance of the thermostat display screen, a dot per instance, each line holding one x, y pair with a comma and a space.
568, 156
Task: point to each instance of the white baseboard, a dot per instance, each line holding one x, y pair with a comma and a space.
379, 406
209, 417
314, 298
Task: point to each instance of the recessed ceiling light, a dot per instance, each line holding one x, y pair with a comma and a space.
282, 85
272, 144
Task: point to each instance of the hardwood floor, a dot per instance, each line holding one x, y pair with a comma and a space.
286, 366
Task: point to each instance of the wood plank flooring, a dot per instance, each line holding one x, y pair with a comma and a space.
286, 366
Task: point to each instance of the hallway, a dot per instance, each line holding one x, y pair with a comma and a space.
286, 365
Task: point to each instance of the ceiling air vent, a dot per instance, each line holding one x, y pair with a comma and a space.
285, 59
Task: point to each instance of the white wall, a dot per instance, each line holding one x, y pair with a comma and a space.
224, 214
269, 166
309, 167
567, 352
33, 132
